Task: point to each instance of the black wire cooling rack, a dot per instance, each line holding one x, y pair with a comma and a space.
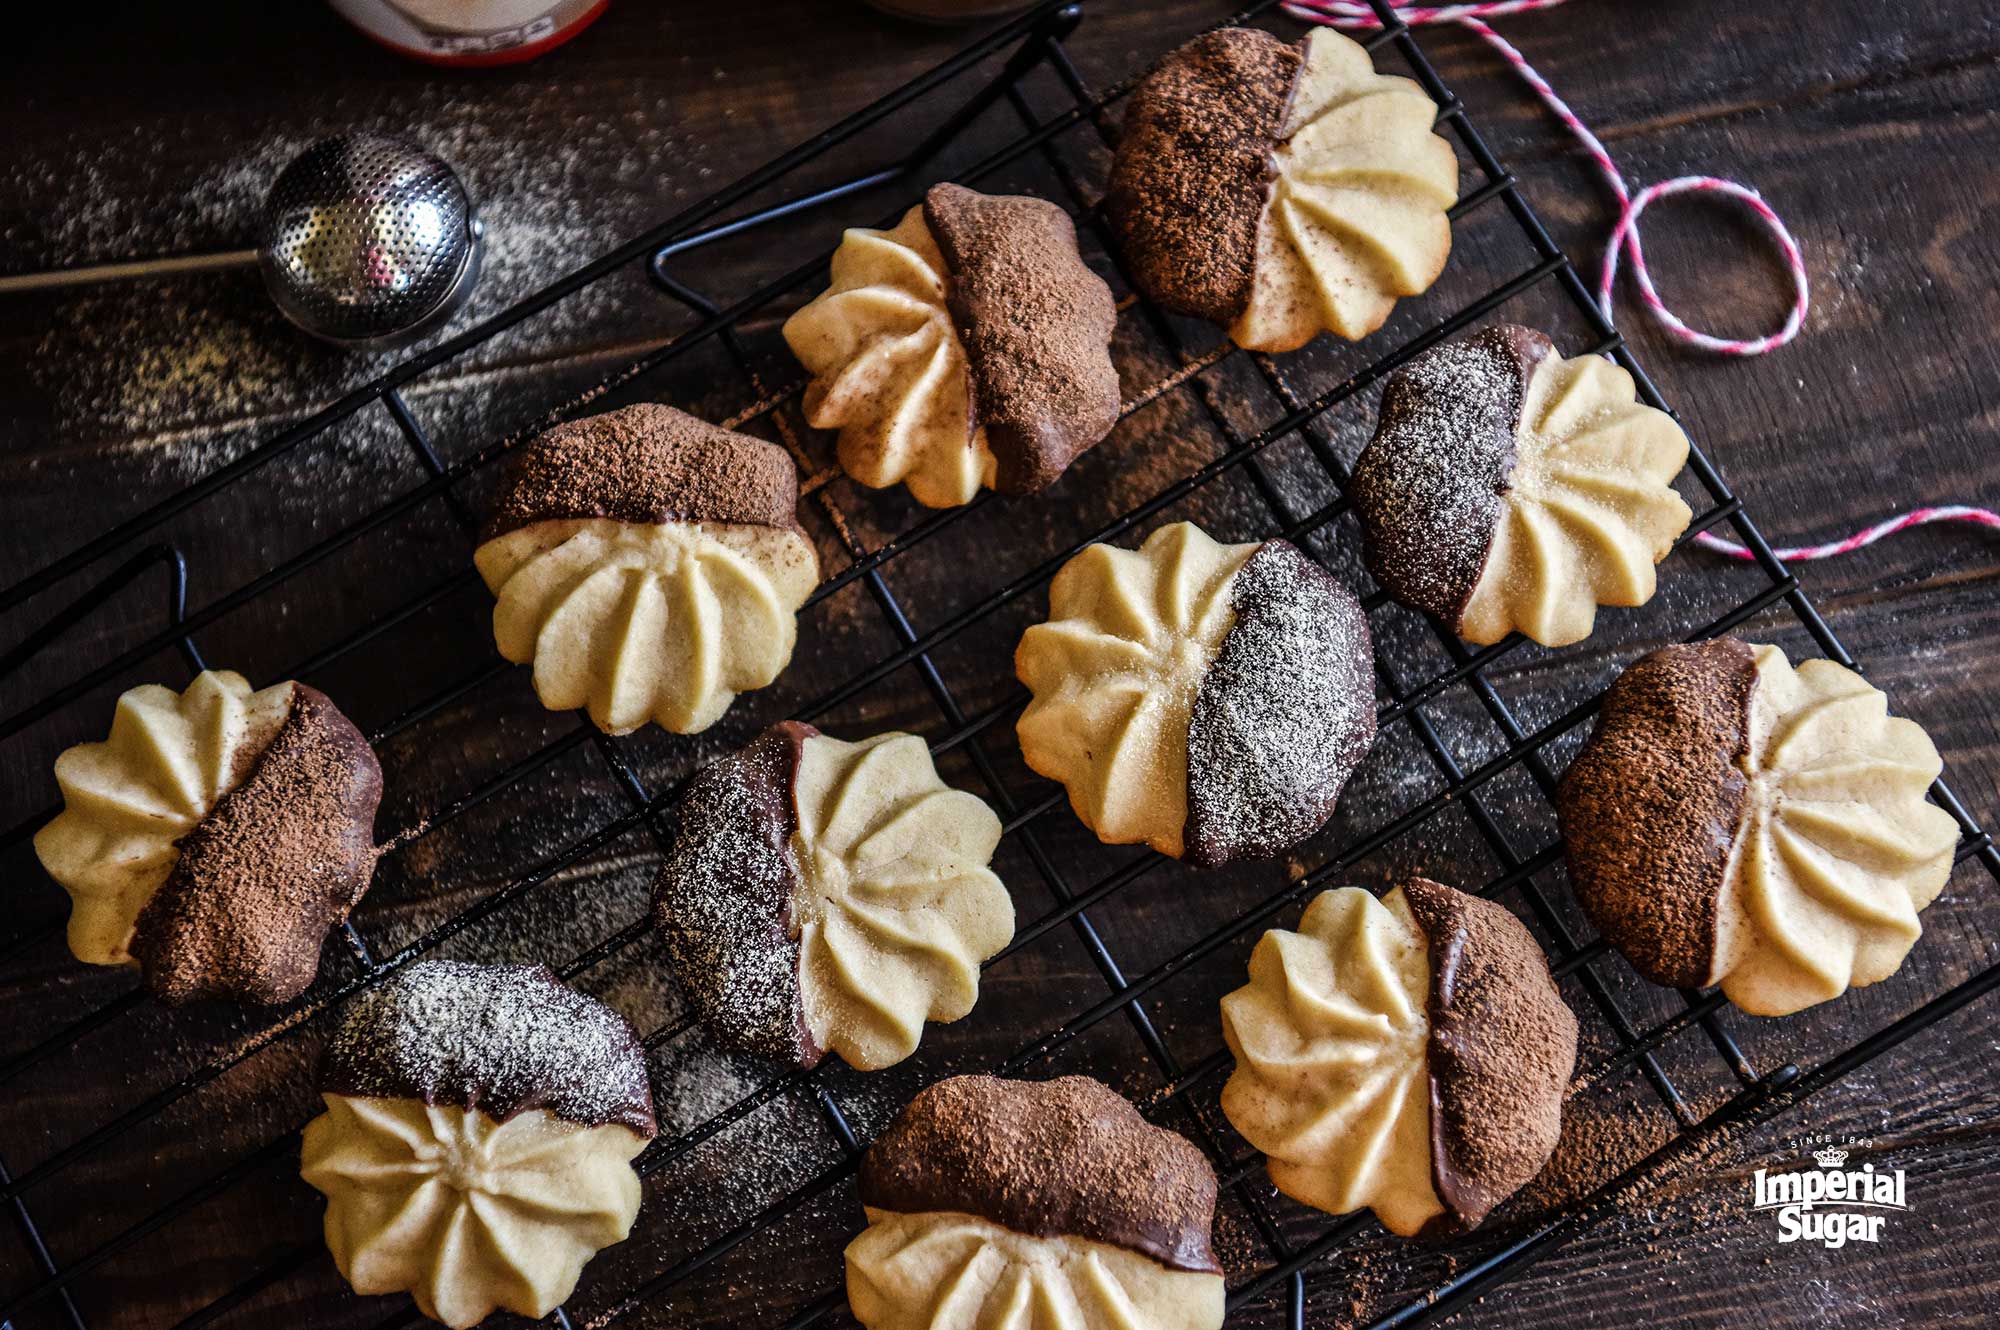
1270, 1282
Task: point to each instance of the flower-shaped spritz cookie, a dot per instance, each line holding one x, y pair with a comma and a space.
477, 1142
1209, 700
649, 566
1510, 490
969, 346
1281, 189
1408, 1055
215, 836
822, 895
1736, 821
1033, 1205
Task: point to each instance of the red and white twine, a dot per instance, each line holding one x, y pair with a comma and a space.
1354, 15
1868, 536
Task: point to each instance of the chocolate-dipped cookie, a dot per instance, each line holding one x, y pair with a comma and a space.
1058, 1192
477, 1142
1281, 190
1208, 700
821, 895
1409, 1055
1738, 822
649, 566
215, 837
969, 346
1508, 489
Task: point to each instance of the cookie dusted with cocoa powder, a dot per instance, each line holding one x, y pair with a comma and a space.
1036, 325
477, 1141
968, 347
1208, 700
1510, 490
1281, 190
1736, 821
1409, 1055
1058, 1185
648, 565
829, 896
216, 837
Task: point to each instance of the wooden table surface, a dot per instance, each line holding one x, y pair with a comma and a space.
141, 135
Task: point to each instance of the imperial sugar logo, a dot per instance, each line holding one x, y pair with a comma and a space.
1831, 1203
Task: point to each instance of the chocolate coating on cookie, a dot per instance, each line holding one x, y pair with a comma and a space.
646, 463
503, 1039
1649, 809
1501, 1052
723, 899
1047, 1158
1036, 325
1194, 169
1284, 714
278, 861
1427, 488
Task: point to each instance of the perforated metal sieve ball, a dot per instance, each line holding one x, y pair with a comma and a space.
368, 241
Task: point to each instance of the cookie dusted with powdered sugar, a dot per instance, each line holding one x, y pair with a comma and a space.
1508, 489
823, 896
1208, 700
478, 1136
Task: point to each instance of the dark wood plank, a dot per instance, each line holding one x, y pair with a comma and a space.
147, 137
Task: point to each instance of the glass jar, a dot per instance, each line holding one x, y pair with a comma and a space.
471, 32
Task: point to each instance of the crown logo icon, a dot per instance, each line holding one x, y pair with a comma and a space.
1831, 1157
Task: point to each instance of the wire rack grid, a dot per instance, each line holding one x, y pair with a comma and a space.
1272, 1283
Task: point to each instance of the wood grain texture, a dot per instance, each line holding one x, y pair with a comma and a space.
137, 132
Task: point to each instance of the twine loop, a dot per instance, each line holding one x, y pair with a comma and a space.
1353, 15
